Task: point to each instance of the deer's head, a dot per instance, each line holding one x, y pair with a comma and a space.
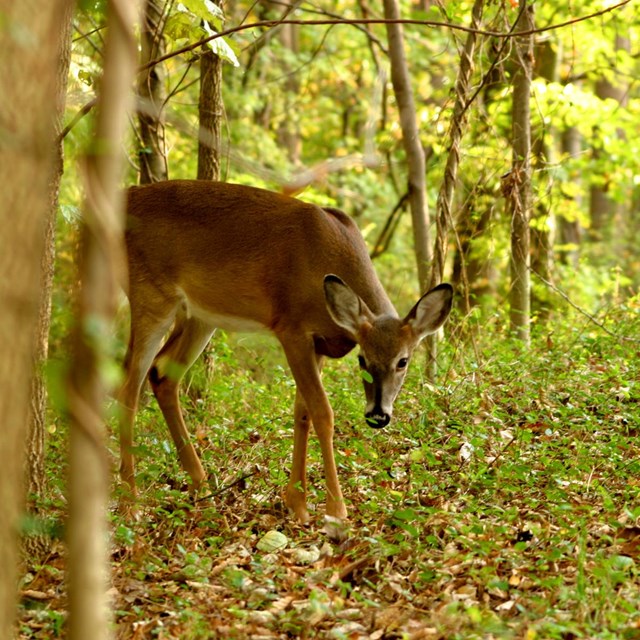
386, 342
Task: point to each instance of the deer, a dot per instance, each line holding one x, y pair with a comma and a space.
204, 255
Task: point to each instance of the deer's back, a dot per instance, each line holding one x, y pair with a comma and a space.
244, 251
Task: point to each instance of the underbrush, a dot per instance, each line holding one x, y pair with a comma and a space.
502, 502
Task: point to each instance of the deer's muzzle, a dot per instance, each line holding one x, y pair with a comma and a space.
377, 419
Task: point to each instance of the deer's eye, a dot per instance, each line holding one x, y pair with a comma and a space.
402, 364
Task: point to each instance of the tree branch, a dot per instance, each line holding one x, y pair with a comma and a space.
358, 21
365, 21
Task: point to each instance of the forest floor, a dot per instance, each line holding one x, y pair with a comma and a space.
502, 503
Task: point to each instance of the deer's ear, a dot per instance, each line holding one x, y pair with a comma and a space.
345, 307
430, 312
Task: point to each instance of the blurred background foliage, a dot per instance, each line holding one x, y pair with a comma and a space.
317, 98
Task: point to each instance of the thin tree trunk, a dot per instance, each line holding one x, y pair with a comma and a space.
444, 203
152, 156
417, 187
210, 112
289, 129
517, 185
288, 133
458, 124
102, 267
28, 89
36, 544
544, 148
473, 272
569, 226
602, 208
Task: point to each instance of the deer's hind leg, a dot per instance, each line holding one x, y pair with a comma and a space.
187, 340
147, 331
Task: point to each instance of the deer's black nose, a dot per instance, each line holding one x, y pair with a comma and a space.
377, 419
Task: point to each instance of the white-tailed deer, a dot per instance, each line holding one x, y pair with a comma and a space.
204, 255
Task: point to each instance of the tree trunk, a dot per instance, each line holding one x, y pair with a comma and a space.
517, 185
152, 155
102, 268
569, 226
602, 208
444, 203
458, 123
288, 133
474, 274
547, 58
36, 545
28, 89
210, 112
289, 129
413, 147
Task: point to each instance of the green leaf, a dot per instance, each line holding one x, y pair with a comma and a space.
221, 47
180, 26
405, 514
203, 9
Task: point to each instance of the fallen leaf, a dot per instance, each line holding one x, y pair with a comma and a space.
466, 452
272, 541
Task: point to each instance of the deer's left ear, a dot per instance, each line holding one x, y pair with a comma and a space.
345, 307
430, 312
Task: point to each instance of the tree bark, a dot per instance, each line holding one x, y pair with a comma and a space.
152, 155
37, 544
544, 149
102, 268
568, 226
210, 112
458, 124
28, 89
289, 129
444, 204
517, 185
416, 180
474, 273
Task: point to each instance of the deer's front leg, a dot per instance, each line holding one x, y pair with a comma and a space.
306, 371
296, 495
324, 428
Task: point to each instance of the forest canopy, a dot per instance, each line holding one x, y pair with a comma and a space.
310, 108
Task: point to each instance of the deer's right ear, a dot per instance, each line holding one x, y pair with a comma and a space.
345, 307
430, 312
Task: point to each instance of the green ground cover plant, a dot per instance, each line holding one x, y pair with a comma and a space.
502, 502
